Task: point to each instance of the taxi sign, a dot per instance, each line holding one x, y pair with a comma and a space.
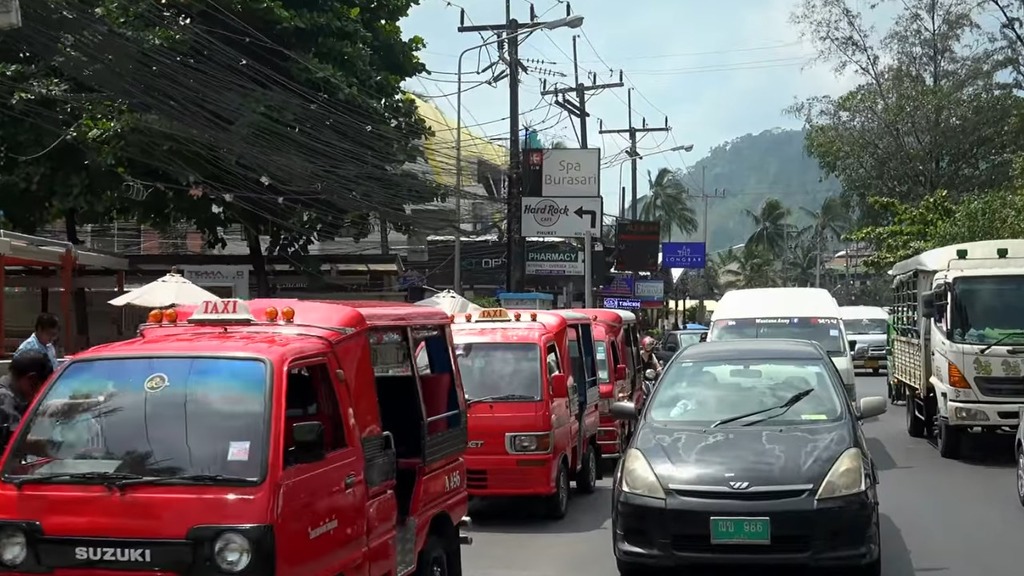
493, 314
226, 311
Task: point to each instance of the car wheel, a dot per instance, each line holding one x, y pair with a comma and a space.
558, 503
1020, 475
915, 425
433, 560
586, 480
950, 438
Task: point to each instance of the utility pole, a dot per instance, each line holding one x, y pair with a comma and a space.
578, 109
515, 244
704, 195
632, 131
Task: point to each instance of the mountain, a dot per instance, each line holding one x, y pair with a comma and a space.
749, 169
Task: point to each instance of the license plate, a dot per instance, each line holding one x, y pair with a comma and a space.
871, 363
741, 531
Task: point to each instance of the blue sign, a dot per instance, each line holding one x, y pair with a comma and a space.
622, 303
683, 255
621, 285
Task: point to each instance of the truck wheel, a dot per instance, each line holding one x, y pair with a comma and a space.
1020, 475
586, 479
433, 560
915, 425
557, 505
950, 438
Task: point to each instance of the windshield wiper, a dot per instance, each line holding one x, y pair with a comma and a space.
501, 397
1000, 340
789, 403
196, 478
107, 477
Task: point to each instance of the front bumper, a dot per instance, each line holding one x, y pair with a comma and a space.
987, 415
519, 475
870, 363
677, 531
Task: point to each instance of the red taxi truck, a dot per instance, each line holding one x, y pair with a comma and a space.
274, 437
525, 374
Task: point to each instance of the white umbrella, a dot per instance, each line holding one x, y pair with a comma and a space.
451, 303
171, 290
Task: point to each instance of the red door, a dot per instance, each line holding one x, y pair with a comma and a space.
322, 506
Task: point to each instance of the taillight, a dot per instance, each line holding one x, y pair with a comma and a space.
606, 391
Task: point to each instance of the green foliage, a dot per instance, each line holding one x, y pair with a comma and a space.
284, 116
668, 202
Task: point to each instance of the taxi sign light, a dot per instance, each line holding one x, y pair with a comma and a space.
271, 314
288, 314
226, 311
493, 314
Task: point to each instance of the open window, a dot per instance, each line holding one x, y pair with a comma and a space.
418, 393
313, 427
584, 363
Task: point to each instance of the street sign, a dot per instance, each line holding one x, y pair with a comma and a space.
622, 303
683, 255
562, 173
562, 217
560, 261
621, 285
649, 290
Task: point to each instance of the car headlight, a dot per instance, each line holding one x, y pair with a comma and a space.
637, 476
13, 547
529, 443
846, 477
232, 552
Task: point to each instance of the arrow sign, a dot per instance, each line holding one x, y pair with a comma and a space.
580, 212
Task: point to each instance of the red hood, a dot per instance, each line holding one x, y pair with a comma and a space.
147, 511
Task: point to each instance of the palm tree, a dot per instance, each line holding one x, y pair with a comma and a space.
829, 222
753, 268
771, 229
558, 144
668, 202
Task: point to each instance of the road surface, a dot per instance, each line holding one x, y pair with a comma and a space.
939, 517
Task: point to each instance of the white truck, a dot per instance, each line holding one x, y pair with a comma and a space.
958, 342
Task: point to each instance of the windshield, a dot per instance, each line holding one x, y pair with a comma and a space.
602, 361
681, 339
987, 308
824, 331
866, 326
702, 393
150, 417
500, 369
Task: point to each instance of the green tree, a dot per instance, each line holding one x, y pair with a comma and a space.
930, 111
828, 224
751, 267
668, 202
772, 229
283, 117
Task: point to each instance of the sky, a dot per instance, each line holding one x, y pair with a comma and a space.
720, 71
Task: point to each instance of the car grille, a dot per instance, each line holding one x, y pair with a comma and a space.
476, 479
1000, 386
737, 496
701, 544
876, 350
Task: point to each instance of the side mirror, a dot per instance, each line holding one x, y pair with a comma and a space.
703, 337
307, 442
623, 411
650, 374
852, 344
928, 304
871, 407
620, 372
560, 385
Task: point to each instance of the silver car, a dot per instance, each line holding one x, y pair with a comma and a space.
870, 337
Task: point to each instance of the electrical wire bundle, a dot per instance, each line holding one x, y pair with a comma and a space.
217, 110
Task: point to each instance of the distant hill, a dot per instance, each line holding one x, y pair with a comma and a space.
751, 168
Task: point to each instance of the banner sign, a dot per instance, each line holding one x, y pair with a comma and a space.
555, 262
690, 255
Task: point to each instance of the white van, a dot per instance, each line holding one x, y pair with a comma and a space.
867, 326
797, 313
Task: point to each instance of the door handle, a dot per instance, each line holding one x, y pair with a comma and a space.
350, 481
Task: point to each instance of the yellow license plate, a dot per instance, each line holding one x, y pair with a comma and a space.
871, 363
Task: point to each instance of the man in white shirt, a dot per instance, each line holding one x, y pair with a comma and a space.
46, 332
